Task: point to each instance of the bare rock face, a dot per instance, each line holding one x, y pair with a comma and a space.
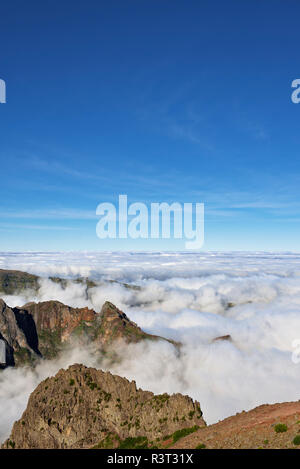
45, 329
56, 323
53, 315
83, 407
16, 344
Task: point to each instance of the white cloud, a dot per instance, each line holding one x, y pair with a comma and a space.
184, 296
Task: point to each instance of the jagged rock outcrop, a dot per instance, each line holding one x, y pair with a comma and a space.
44, 329
223, 338
83, 407
116, 325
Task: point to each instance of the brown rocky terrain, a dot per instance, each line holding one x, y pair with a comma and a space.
43, 330
83, 407
275, 426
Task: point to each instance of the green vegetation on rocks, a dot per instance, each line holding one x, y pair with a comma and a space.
296, 440
280, 428
184, 432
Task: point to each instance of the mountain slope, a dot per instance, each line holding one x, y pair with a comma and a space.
83, 407
14, 281
267, 426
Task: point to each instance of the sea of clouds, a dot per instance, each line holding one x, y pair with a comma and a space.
189, 297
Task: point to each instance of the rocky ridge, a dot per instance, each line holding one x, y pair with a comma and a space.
43, 330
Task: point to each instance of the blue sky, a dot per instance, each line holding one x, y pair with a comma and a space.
186, 101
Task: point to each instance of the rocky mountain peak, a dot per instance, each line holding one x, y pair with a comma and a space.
83, 407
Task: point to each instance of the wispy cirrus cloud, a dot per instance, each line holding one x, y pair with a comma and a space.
62, 213
21, 226
137, 176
